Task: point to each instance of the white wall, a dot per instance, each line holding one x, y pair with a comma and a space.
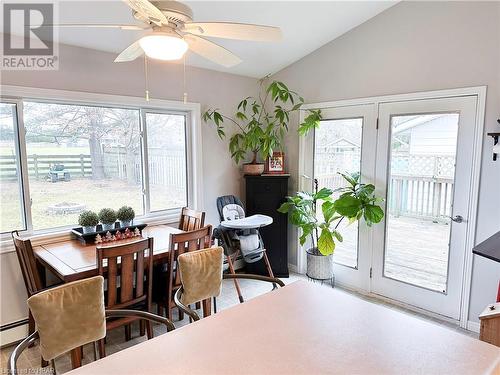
93, 71
416, 46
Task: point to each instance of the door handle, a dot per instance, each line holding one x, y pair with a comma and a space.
456, 219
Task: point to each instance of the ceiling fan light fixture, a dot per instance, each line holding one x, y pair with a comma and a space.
163, 46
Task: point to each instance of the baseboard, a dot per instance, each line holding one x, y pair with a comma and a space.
13, 332
473, 326
292, 268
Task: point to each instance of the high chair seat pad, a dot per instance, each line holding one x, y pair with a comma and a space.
254, 221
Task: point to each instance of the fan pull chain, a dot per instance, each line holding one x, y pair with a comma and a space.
185, 96
146, 77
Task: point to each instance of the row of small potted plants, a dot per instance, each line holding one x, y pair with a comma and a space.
107, 217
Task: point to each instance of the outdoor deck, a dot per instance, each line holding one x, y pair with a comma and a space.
417, 251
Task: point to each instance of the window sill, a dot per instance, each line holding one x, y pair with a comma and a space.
62, 234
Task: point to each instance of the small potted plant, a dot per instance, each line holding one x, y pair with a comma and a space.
88, 221
126, 215
107, 216
261, 124
356, 201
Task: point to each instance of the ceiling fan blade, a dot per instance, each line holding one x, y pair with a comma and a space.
130, 53
147, 10
97, 25
211, 51
240, 31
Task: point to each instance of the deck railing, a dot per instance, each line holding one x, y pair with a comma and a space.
411, 196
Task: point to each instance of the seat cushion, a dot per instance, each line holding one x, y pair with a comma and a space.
69, 316
201, 274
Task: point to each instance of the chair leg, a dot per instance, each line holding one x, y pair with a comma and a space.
207, 307
215, 305
149, 330
81, 352
268, 265
102, 348
160, 308
197, 305
142, 328
181, 314
76, 359
169, 311
236, 284
53, 364
128, 333
96, 356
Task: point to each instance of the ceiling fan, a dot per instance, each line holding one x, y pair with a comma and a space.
171, 32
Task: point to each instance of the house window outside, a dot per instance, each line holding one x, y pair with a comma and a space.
87, 157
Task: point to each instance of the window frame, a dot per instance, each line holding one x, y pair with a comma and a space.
192, 112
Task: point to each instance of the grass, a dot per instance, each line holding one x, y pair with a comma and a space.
94, 194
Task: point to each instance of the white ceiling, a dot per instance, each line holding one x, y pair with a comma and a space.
306, 25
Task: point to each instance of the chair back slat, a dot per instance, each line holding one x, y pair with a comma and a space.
139, 269
27, 262
191, 219
181, 243
127, 277
129, 263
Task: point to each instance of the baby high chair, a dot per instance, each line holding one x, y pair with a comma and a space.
240, 234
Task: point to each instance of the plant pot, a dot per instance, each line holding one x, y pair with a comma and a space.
253, 169
108, 226
319, 266
125, 223
89, 229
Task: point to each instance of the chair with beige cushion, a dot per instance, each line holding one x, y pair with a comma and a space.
201, 278
70, 316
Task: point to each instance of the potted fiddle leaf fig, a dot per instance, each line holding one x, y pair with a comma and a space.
356, 201
261, 123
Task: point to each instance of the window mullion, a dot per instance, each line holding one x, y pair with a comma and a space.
145, 164
23, 160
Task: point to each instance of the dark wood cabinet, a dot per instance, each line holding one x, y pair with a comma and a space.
264, 195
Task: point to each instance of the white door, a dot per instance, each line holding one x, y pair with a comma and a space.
424, 162
344, 143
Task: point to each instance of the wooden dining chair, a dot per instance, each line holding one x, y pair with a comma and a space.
181, 243
201, 275
128, 269
191, 219
31, 274
70, 316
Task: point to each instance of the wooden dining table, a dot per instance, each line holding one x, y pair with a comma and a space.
71, 260
305, 328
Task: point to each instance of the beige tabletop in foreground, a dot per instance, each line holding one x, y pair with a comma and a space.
305, 328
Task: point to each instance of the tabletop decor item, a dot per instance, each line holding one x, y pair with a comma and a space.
275, 164
355, 201
88, 220
126, 215
107, 216
101, 235
261, 123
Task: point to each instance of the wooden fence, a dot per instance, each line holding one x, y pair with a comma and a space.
165, 168
39, 165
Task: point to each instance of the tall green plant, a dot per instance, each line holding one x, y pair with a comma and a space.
261, 127
356, 201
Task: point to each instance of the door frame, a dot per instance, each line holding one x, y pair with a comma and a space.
478, 91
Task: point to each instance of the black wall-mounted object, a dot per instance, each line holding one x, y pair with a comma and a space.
495, 140
264, 195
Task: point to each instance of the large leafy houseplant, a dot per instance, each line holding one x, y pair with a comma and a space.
356, 201
261, 123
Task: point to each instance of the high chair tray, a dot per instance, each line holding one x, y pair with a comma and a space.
254, 221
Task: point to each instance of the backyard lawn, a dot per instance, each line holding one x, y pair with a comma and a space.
93, 194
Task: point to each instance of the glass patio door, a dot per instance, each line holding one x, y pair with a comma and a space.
344, 143
423, 169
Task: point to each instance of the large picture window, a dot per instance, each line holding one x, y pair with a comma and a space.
86, 157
